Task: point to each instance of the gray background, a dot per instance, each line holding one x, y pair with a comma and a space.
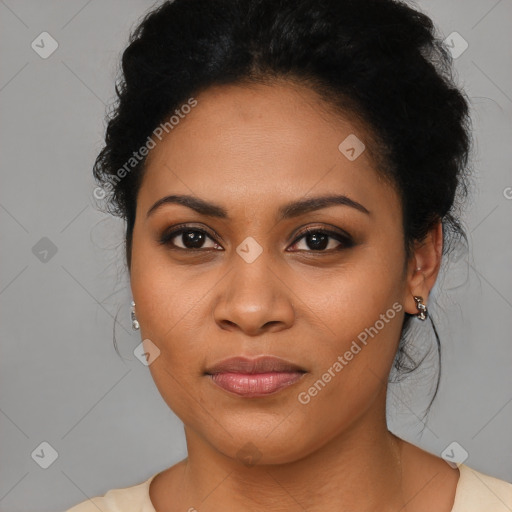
61, 379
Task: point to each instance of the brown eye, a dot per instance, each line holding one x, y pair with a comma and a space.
187, 238
318, 240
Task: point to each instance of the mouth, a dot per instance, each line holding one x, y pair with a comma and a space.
257, 377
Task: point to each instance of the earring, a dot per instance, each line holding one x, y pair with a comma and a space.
135, 322
422, 308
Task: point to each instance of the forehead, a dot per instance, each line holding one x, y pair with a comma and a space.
259, 144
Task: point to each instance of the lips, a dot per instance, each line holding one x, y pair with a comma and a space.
263, 364
261, 376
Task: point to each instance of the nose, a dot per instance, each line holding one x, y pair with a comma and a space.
254, 299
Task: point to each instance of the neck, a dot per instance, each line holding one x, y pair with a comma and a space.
358, 470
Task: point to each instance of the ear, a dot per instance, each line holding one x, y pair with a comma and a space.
423, 267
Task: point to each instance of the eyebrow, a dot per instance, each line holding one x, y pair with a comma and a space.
287, 211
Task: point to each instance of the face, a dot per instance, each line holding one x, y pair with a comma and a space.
244, 279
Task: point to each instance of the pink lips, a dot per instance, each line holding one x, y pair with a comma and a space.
254, 377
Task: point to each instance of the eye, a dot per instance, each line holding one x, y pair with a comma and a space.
318, 240
190, 238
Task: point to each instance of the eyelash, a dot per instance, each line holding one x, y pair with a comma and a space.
345, 240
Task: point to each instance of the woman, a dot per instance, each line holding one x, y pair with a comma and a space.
289, 172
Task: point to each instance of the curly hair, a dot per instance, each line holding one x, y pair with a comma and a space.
379, 61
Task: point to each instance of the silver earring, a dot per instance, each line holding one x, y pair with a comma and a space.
422, 308
135, 322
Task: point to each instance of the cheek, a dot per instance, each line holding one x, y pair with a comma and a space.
352, 297
351, 372
360, 310
168, 300
160, 293
170, 306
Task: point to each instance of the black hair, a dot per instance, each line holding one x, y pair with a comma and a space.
380, 61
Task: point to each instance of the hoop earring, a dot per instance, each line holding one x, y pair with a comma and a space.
135, 322
421, 307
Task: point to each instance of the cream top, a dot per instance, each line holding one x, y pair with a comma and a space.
475, 492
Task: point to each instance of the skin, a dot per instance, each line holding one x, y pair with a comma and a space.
251, 149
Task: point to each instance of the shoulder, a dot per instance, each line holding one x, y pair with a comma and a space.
470, 491
478, 492
126, 499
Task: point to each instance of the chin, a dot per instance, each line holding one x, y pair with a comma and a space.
271, 441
